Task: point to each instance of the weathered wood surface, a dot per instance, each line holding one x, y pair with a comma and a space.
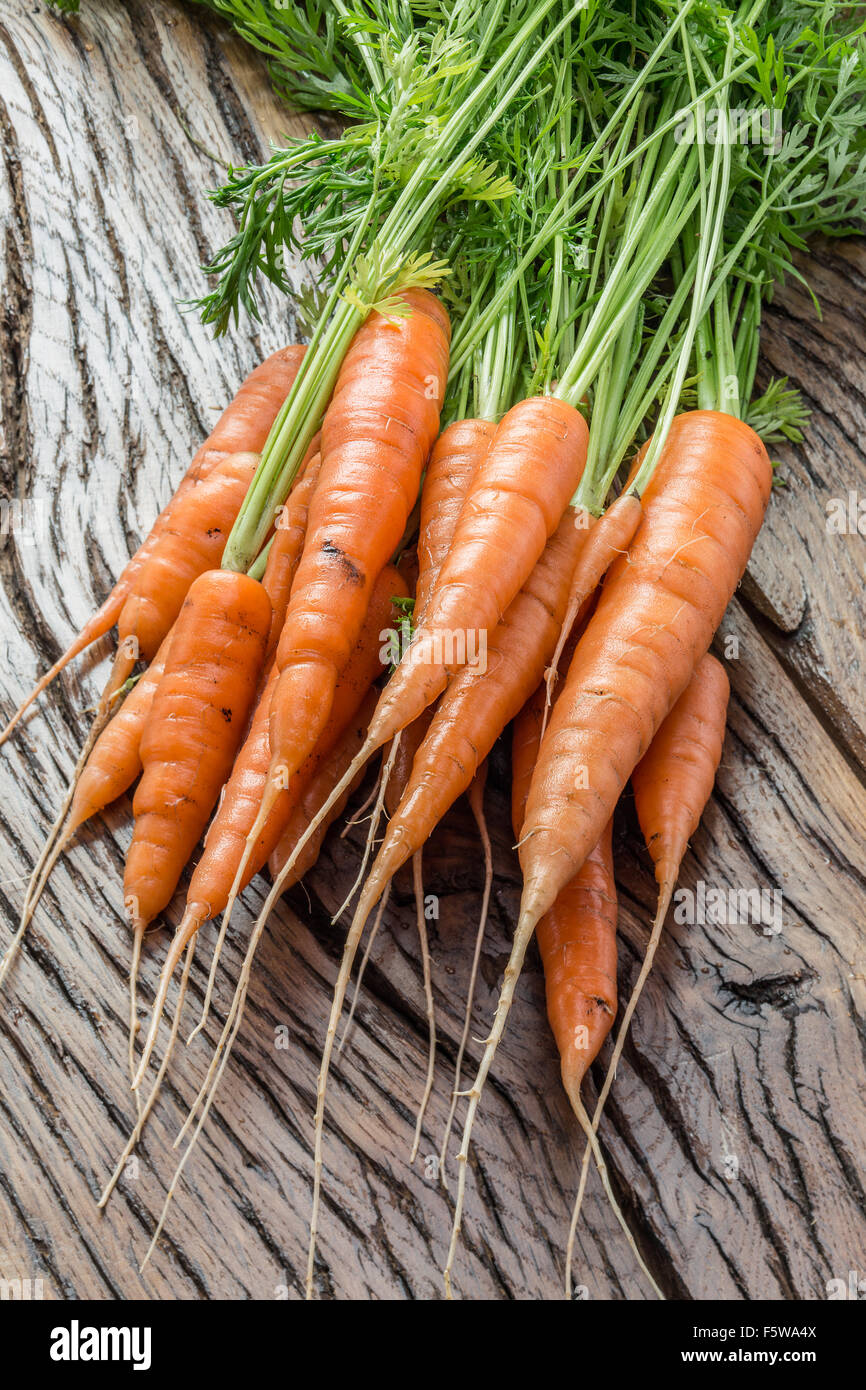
747, 1054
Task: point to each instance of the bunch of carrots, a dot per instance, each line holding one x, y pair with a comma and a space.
525, 424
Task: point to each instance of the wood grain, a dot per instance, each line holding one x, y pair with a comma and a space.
746, 1046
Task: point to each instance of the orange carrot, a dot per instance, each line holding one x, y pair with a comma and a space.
401, 774
672, 784
673, 781
577, 945
243, 427
196, 722
376, 435
658, 610
577, 936
454, 463
515, 503
227, 836
115, 761
455, 459
479, 702
656, 617
191, 541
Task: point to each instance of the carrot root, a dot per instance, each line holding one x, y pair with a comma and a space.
29, 907
476, 802
52, 848
370, 894
374, 823
222, 1052
269, 798
428, 998
522, 938
137, 938
380, 913
101, 623
361, 811
593, 1146
149, 1104
182, 1164
185, 933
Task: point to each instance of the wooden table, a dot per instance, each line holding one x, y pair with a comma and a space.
736, 1129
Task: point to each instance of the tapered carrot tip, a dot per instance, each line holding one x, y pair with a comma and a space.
573, 1068
535, 901
184, 934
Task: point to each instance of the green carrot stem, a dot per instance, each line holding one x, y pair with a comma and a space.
303, 410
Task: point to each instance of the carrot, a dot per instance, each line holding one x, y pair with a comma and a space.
243, 427
515, 503
196, 722
376, 436
454, 463
655, 619
110, 768
674, 780
189, 543
116, 759
212, 880
661, 604
478, 704
577, 944
577, 937
672, 784
471, 714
